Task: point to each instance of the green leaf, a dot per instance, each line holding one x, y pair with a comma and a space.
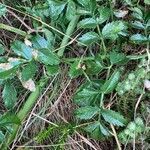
113, 30
138, 25
29, 71
47, 57
89, 5
52, 70
49, 37
137, 13
2, 136
87, 23
71, 10
110, 84
39, 42
97, 130
87, 93
147, 2
89, 38
117, 58
22, 49
9, 95
75, 70
138, 38
3, 10
1, 49
86, 112
93, 67
9, 119
104, 14
113, 117
7, 70
56, 8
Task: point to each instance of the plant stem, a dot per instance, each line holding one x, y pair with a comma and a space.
116, 138
69, 31
26, 109
12, 29
102, 40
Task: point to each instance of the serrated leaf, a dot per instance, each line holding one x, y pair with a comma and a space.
89, 38
117, 58
39, 42
137, 13
138, 25
97, 130
29, 71
113, 30
52, 70
56, 8
71, 10
22, 49
104, 14
9, 95
138, 38
47, 57
86, 112
87, 23
9, 119
87, 93
1, 49
110, 84
3, 10
113, 117
89, 5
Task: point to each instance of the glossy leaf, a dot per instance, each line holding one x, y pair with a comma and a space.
138, 38
88, 23
88, 4
138, 25
110, 84
113, 30
47, 57
22, 49
86, 112
56, 8
113, 117
137, 13
9, 95
89, 38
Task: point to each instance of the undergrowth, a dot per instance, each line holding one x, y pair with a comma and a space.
75, 74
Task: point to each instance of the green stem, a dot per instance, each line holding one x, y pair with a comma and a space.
12, 29
24, 111
102, 40
66, 38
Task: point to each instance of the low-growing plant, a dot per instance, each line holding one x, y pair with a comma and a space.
101, 29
